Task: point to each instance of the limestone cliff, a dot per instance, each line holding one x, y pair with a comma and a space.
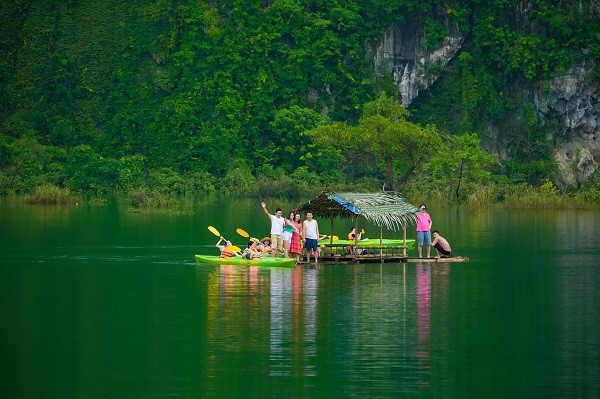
570, 104
403, 53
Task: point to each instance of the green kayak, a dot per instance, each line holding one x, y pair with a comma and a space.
267, 261
374, 242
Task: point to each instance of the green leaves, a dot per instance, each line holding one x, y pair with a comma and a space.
382, 135
461, 162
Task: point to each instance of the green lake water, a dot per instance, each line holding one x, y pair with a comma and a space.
98, 302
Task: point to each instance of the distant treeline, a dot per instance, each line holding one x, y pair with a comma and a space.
263, 97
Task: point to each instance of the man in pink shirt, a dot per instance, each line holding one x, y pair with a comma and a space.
423, 231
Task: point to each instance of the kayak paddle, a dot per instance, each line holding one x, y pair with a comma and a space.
245, 234
216, 232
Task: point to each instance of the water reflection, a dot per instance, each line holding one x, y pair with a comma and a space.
423, 272
405, 330
380, 322
239, 296
280, 325
292, 327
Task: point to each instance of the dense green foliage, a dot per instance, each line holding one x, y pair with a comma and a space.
204, 95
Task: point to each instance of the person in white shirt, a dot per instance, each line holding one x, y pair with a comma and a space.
310, 232
277, 224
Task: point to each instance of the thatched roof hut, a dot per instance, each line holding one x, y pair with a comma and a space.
386, 209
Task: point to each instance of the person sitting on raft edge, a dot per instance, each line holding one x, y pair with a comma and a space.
441, 245
351, 235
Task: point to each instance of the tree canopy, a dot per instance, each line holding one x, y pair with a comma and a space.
109, 94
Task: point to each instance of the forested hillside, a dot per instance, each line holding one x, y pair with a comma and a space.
193, 95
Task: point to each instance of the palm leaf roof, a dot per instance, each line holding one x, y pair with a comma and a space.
387, 208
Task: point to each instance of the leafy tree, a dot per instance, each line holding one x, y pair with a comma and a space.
333, 147
382, 135
289, 144
397, 143
461, 162
132, 171
90, 172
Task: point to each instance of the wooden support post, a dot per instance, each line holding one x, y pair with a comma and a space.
381, 242
355, 236
331, 233
404, 229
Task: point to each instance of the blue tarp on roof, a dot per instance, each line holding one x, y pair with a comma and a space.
352, 208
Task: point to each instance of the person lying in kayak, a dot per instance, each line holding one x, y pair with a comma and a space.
226, 249
440, 245
251, 251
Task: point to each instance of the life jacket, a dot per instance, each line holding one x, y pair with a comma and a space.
252, 252
226, 253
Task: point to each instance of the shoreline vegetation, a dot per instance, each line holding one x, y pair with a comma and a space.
164, 199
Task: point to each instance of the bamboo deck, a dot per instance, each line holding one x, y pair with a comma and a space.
377, 258
336, 253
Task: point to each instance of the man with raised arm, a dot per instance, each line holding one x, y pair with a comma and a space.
277, 224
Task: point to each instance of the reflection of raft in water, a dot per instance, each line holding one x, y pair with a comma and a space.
438, 260
268, 261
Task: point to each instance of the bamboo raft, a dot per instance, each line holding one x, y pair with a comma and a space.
386, 258
386, 209
379, 254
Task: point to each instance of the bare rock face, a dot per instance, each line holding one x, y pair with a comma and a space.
572, 104
414, 67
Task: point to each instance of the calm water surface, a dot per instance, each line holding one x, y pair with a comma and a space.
101, 302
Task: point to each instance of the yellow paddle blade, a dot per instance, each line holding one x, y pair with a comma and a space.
335, 238
242, 233
214, 231
234, 248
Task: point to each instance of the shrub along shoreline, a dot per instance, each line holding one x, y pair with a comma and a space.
176, 196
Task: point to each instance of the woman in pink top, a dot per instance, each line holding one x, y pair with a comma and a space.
423, 231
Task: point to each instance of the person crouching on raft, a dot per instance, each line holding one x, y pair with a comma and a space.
251, 252
441, 245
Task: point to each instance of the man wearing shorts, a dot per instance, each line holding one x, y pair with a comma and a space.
310, 232
423, 231
441, 245
277, 224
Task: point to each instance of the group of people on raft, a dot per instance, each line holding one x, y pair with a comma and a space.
287, 235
